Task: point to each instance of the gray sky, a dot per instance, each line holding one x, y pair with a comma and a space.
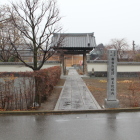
108, 19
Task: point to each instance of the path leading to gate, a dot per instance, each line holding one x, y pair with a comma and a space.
75, 95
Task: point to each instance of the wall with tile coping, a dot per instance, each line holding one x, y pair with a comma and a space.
121, 66
98, 66
124, 69
19, 67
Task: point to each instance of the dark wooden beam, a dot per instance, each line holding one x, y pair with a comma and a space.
76, 52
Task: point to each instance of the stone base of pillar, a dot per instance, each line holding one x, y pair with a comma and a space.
111, 103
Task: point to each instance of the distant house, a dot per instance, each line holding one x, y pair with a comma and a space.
127, 55
24, 51
98, 52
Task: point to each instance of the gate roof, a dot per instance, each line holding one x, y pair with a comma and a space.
75, 43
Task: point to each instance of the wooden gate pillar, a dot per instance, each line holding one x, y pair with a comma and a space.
62, 64
84, 63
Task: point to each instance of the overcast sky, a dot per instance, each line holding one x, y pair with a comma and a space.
108, 19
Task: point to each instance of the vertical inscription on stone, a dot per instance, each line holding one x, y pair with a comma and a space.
112, 74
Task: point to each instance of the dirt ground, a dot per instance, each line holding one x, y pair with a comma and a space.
128, 90
52, 99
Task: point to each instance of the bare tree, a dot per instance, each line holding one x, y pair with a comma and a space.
6, 28
4, 14
120, 45
38, 22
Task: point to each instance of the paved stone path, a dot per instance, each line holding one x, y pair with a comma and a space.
75, 95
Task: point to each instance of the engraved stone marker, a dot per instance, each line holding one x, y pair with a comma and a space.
111, 101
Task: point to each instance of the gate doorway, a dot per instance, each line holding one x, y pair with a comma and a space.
74, 48
71, 60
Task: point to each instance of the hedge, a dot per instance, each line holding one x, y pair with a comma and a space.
19, 90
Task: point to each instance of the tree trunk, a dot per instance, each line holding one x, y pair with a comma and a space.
35, 59
37, 100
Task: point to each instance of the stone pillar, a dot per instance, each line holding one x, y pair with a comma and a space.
111, 101
84, 63
62, 63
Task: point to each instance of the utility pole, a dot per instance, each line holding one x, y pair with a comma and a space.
133, 46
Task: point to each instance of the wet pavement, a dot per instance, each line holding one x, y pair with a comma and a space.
96, 126
75, 95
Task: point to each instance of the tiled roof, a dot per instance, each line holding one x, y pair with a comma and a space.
75, 40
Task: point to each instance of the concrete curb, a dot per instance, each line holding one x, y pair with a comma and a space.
63, 112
